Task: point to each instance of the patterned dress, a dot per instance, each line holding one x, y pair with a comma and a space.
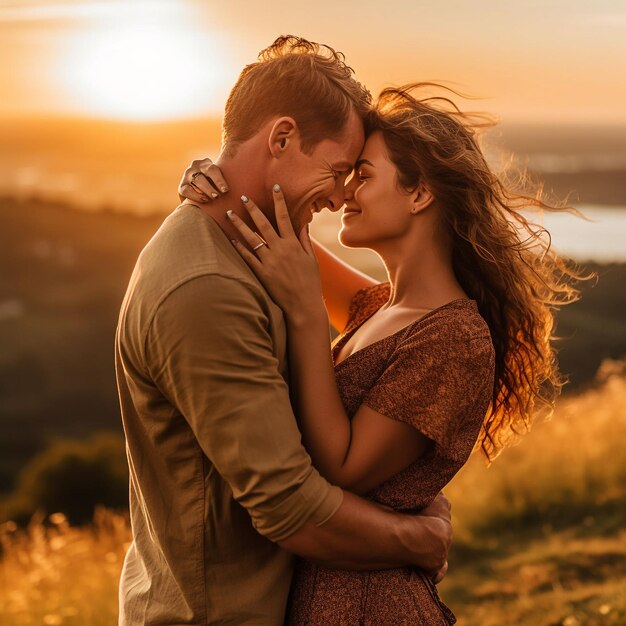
437, 375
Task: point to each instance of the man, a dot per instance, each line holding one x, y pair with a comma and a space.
221, 491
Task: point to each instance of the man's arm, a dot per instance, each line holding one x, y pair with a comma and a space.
211, 353
362, 535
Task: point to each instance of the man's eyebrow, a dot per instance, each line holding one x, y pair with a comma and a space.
363, 162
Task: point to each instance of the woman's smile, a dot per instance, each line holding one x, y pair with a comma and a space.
350, 211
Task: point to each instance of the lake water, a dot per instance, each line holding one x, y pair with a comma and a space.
602, 239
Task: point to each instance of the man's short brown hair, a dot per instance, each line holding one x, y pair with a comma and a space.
298, 78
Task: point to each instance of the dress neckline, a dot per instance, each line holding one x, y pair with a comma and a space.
343, 338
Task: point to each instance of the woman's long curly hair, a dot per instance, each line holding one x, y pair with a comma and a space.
501, 259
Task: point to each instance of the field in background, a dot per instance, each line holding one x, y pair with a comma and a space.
541, 534
540, 538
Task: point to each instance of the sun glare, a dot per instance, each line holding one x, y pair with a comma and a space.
146, 72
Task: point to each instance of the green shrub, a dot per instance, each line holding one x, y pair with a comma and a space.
72, 477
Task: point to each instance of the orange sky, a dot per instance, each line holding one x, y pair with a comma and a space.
560, 61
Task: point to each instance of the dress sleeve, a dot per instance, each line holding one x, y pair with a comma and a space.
211, 354
436, 377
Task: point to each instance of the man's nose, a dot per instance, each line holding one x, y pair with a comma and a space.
335, 201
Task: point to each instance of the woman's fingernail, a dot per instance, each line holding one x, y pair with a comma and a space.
230, 214
214, 195
204, 199
233, 241
224, 189
244, 199
276, 188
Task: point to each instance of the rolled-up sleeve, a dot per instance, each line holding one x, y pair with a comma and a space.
210, 351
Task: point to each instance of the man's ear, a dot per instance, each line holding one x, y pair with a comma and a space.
422, 199
282, 135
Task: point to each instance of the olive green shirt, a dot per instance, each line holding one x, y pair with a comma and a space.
217, 469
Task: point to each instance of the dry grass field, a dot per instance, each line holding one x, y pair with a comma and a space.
53, 574
540, 537
541, 534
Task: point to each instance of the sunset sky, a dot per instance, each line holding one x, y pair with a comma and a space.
556, 61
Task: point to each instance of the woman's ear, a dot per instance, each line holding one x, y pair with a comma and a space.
282, 134
422, 199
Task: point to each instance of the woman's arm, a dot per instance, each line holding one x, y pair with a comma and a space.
340, 281
357, 454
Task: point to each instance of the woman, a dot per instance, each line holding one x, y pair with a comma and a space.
452, 353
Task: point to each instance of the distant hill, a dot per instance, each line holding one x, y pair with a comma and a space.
63, 273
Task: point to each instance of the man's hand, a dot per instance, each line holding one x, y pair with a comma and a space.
434, 533
440, 507
440, 575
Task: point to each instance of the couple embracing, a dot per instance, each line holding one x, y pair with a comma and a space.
274, 479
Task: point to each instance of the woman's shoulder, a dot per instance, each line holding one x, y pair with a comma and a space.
461, 315
453, 326
368, 300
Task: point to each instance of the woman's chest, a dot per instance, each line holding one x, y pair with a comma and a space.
357, 374
381, 326
362, 354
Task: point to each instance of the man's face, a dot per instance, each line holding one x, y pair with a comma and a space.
315, 181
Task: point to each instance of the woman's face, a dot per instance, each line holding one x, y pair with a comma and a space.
377, 210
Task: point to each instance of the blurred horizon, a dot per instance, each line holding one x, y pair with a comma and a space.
130, 166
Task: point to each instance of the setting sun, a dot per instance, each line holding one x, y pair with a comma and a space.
147, 72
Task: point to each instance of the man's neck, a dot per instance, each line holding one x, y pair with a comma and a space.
244, 175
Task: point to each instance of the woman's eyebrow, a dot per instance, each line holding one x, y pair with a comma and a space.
363, 162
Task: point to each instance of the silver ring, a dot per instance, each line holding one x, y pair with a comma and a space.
193, 185
259, 246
